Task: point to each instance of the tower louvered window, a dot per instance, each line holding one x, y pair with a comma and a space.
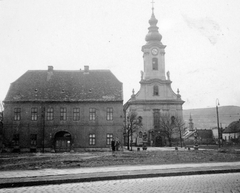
155, 64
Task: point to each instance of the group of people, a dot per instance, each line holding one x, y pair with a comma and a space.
115, 144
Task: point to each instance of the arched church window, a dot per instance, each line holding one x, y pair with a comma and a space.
154, 63
155, 90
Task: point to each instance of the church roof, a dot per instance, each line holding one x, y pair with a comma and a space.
65, 85
153, 34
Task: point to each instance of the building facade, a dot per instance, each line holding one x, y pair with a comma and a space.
60, 111
155, 97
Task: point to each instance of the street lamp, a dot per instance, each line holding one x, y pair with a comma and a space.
217, 104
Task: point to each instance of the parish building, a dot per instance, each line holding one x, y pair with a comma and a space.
63, 110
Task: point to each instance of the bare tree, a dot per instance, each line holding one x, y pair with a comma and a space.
179, 123
166, 127
134, 122
170, 126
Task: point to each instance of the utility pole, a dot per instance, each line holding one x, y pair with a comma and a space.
217, 104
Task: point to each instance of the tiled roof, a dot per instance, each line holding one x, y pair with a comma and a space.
202, 133
233, 127
61, 85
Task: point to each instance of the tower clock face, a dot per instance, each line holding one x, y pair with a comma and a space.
154, 51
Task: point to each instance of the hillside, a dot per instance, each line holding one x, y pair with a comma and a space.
206, 118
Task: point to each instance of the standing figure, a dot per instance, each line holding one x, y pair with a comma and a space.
113, 145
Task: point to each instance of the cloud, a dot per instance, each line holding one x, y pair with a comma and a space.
206, 26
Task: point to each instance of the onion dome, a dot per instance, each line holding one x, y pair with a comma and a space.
153, 34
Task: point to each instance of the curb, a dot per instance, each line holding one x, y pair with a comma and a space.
78, 178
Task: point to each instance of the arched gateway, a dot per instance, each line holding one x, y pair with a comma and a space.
62, 141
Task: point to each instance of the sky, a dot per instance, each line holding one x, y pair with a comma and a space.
202, 39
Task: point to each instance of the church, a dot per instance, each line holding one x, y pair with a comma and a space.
155, 97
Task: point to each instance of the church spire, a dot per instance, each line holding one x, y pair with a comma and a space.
153, 34
152, 6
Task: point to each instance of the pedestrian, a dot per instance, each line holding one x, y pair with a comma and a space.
113, 145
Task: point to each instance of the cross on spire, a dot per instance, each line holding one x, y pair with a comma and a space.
152, 5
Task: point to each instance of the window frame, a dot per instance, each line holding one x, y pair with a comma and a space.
50, 114
76, 114
33, 139
92, 139
109, 138
17, 114
156, 118
34, 113
154, 63
92, 114
155, 90
63, 113
109, 114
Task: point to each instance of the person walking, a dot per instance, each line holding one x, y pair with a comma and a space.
113, 145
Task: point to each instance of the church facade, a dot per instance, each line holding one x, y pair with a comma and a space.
155, 97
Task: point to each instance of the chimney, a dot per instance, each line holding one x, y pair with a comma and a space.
49, 72
50, 68
86, 70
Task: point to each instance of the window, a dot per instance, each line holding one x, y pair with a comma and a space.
63, 114
109, 139
34, 114
109, 114
33, 139
155, 64
156, 118
155, 90
50, 114
76, 114
92, 139
16, 139
92, 114
17, 114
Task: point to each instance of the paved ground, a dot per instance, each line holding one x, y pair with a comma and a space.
177, 184
133, 176
58, 176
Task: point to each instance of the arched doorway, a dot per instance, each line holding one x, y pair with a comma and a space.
62, 141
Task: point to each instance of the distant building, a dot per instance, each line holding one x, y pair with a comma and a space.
232, 132
203, 136
155, 97
60, 110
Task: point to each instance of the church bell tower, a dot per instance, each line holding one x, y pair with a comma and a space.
155, 97
153, 52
